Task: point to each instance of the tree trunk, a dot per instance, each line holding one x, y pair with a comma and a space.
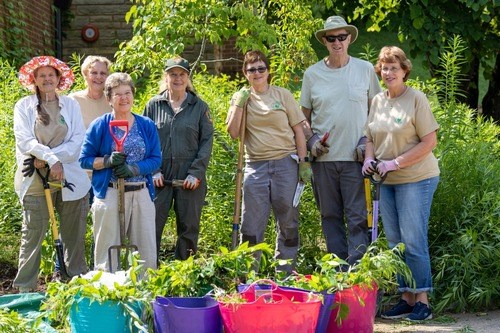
471, 85
491, 101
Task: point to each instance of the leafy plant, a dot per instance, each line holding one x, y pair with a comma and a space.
377, 266
12, 322
198, 275
464, 230
126, 289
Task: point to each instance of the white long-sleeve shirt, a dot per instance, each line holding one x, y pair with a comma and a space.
67, 153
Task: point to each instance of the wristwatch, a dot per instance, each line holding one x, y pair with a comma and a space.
305, 159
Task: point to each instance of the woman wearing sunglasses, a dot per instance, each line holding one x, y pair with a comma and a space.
273, 137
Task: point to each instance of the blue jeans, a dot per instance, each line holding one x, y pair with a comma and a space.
405, 211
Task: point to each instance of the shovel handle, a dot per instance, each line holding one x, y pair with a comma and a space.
118, 141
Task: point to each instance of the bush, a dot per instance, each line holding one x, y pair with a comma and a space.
464, 232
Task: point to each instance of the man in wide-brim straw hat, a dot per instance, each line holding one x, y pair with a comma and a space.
336, 92
49, 132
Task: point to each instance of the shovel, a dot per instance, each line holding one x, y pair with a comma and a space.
122, 124
376, 181
53, 223
239, 179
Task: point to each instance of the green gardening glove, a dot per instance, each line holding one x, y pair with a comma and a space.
241, 97
305, 172
126, 170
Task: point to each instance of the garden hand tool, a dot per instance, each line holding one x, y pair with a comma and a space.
53, 223
174, 182
123, 125
317, 146
298, 193
301, 183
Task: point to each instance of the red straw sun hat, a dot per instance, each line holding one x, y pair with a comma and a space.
26, 73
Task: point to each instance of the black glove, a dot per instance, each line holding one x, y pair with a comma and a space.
126, 170
29, 166
113, 160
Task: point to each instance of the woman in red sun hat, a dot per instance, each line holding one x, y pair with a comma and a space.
49, 133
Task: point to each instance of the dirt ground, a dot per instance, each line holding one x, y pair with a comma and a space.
486, 322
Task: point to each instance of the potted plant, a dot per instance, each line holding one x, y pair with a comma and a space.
351, 291
182, 289
100, 301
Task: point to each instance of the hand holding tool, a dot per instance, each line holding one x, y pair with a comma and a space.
191, 183
241, 97
318, 146
383, 167
29, 166
368, 168
115, 159
305, 171
126, 170
124, 244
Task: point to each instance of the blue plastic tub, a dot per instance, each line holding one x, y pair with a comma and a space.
95, 317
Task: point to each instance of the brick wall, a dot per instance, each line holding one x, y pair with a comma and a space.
108, 16
39, 20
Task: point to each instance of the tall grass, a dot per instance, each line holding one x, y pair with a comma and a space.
465, 228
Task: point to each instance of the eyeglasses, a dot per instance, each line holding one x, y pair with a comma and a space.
127, 95
333, 38
253, 70
391, 69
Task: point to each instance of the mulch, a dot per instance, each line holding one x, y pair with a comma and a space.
7, 275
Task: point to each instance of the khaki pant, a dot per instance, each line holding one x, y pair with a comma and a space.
139, 226
34, 228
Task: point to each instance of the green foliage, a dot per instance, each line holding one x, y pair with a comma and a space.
428, 25
10, 92
378, 266
450, 75
198, 275
14, 42
162, 29
12, 322
464, 229
100, 287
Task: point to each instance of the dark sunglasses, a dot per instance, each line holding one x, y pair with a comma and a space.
332, 38
253, 70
